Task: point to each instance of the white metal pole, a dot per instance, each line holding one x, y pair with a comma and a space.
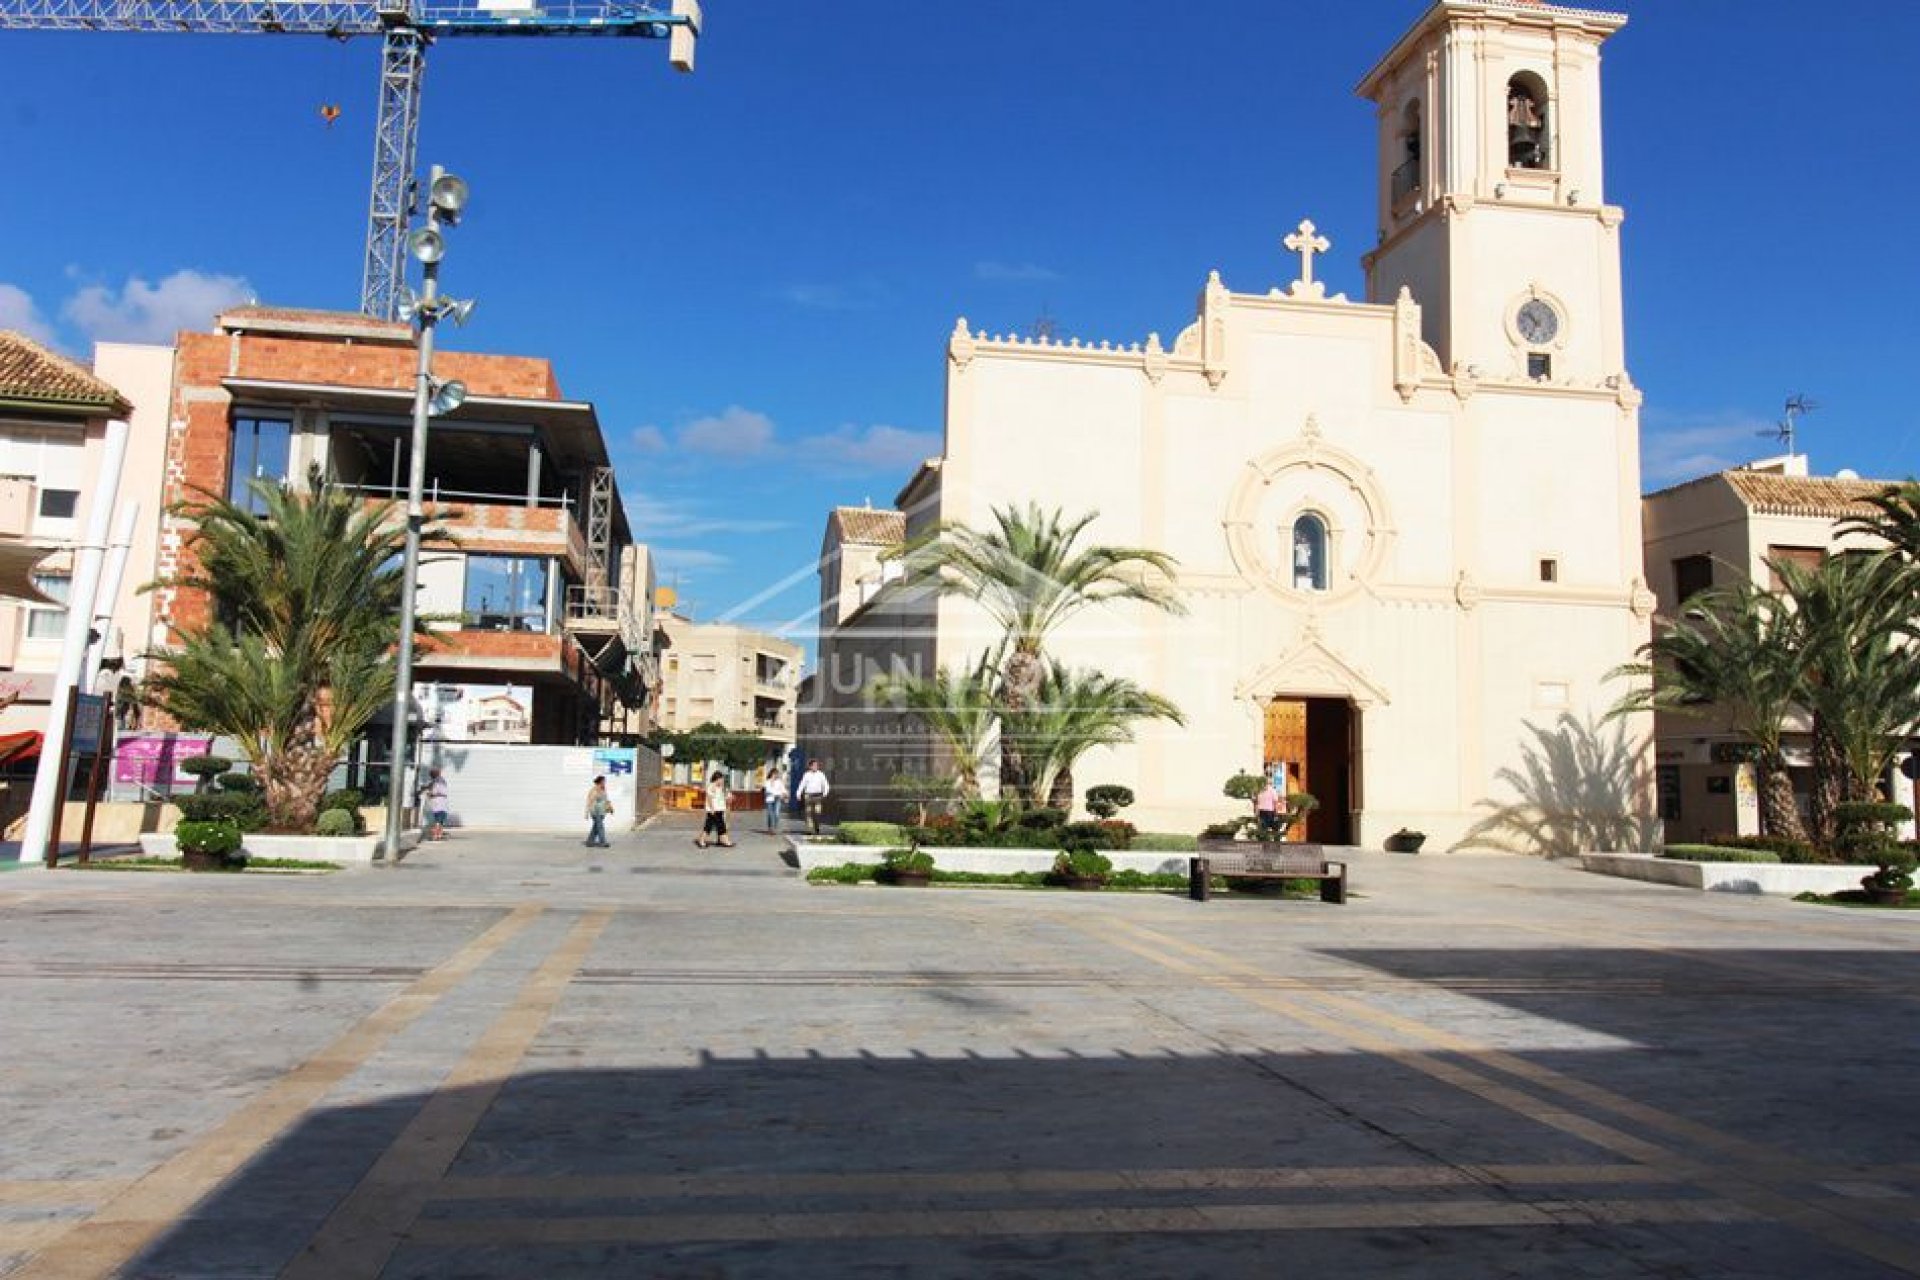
109, 601
49, 780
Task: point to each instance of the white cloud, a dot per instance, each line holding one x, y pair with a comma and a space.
18, 312
689, 559
142, 312
733, 433
1013, 272
1680, 447
874, 448
858, 295
649, 439
654, 519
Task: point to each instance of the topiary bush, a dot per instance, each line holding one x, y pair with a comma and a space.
1244, 786
907, 860
335, 822
349, 799
1043, 819
1086, 835
1866, 829
205, 769
239, 783
1107, 800
246, 811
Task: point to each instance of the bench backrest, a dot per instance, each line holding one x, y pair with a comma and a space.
1295, 859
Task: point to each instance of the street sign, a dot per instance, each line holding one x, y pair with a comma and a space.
89, 723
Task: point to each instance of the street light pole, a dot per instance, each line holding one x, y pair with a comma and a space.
447, 195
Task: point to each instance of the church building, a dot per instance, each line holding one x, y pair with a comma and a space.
1407, 527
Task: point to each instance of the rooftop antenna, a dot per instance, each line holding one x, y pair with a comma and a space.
1044, 328
1798, 403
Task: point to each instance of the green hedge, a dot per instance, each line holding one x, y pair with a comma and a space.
879, 833
1716, 853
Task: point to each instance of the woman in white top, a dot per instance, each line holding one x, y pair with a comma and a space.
776, 793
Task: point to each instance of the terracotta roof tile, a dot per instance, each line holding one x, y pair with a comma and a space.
1822, 496
874, 528
28, 371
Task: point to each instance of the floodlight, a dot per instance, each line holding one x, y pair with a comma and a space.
457, 311
448, 194
427, 245
447, 396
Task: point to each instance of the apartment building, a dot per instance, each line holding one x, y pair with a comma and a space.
715, 673
54, 414
541, 611
1724, 529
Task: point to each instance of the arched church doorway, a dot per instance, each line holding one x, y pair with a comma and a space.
1317, 742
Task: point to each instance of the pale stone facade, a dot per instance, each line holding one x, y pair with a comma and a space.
1721, 530
717, 673
1408, 529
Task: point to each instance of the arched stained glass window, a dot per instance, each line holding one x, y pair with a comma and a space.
1309, 553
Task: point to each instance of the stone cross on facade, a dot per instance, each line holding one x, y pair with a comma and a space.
1306, 243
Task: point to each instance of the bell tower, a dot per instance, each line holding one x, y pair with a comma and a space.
1492, 210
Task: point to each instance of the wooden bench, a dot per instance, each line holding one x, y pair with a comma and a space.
1244, 860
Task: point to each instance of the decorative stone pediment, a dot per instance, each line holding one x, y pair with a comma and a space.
1311, 669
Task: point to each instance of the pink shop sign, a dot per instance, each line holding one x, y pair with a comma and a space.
154, 759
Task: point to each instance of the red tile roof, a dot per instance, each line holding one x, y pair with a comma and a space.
30, 372
1822, 496
871, 527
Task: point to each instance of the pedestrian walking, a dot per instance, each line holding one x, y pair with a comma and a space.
716, 806
775, 790
438, 796
812, 793
599, 805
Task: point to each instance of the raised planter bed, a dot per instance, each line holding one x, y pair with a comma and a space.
986, 861
342, 849
1787, 878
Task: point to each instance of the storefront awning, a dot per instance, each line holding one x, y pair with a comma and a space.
16, 747
18, 560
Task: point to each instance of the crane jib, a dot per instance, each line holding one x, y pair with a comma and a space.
240, 17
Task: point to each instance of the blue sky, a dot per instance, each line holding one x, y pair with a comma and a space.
753, 270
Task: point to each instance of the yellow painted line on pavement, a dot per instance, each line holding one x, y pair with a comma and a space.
102, 1244
670, 1186
1841, 1225
361, 1234
671, 1229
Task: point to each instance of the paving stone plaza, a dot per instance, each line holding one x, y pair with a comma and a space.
514, 1057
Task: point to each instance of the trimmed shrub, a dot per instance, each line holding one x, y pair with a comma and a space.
205, 768
1244, 786
1108, 800
238, 783
907, 860
1163, 842
881, 833
1120, 831
1797, 851
218, 837
1221, 830
247, 811
1082, 863
1077, 836
335, 822
1043, 819
1716, 853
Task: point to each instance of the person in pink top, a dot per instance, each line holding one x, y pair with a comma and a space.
1266, 807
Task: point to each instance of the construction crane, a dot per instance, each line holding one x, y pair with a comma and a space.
406, 29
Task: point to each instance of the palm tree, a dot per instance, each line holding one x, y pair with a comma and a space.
1896, 518
1029, 577
1733, 651
1859, 671
305, 600
1076, 711
957, 707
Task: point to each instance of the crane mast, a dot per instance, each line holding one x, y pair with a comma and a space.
406, 30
